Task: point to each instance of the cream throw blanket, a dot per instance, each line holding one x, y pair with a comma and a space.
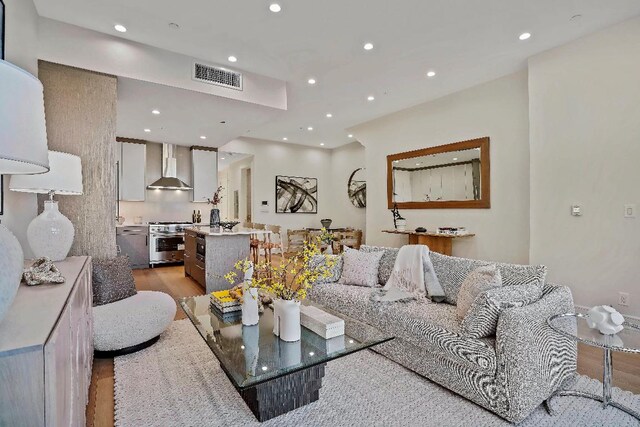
413, 277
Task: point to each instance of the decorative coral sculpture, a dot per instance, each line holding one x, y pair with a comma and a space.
605, 319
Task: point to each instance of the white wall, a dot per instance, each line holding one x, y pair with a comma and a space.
585, 149
497, 109
21, 49
231, 179
344, 160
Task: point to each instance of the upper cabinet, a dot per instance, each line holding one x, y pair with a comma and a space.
205, 172
131, 175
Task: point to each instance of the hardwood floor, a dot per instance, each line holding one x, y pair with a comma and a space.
171, 280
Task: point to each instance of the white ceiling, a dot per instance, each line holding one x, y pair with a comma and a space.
226, 159
465, 42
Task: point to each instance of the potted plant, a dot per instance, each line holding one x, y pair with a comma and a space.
327, 238
214, 216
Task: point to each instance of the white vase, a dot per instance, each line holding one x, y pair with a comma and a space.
50, 234
250, 312
329, 250
11, 265
401, 224
286, 319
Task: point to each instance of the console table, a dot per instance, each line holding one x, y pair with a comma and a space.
46, 351
437, 242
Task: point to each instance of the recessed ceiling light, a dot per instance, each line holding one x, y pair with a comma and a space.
275, 7
232, 59
311, 81
368, 46
147, 130
370, 98
524, 36
311, 353
285, 139
309, 128
174, 26
264, 368
156, 112
120, 28
455, 158
322, 143
431, 74
350, 135
396, 161
222, 158
329, 115
203, 137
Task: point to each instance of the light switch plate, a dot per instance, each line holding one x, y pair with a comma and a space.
576, 210
629, 211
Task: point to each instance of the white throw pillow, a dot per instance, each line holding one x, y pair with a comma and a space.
360, 268
478, 281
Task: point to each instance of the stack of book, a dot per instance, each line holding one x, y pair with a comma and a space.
455, 231
227, 308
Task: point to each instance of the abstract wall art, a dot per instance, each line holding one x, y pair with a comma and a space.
296, 195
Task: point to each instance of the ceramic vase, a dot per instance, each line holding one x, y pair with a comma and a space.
11, 265
250, 312
329, 250
214, 217
50, 234
401, 224
286, 320
326, 223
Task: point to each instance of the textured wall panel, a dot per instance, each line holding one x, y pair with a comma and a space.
80, 108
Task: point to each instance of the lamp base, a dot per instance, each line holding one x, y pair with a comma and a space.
50, 234
11, 265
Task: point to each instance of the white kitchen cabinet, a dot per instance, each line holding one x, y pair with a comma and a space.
204, 171
133, 160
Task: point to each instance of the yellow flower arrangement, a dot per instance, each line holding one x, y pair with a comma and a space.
292, 278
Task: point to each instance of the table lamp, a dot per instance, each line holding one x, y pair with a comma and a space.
23, 150
50, 234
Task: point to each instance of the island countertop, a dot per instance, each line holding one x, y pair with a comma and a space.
219, 231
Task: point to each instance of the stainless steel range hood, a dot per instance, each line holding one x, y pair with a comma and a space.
169, 180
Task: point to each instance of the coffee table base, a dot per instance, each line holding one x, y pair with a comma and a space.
281, 395
574, 393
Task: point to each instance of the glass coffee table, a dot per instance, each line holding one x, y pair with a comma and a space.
574, 326
273, 376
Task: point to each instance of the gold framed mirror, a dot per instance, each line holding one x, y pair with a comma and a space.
451, 176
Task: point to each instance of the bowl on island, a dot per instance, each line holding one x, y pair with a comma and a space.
228, 225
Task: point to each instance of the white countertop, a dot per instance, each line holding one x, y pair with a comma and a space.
219, 231
130, 224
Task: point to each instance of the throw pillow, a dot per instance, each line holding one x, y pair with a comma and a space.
479, 280
452, 271
482, 318
387, 261
336, 270
360, 268
112, 280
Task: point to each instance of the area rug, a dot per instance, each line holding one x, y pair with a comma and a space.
178, 382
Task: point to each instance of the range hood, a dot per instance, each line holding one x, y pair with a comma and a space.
169, 180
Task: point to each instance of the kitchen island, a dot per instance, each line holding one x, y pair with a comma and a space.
211, 252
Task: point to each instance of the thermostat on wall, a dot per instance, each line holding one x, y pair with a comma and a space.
264, 206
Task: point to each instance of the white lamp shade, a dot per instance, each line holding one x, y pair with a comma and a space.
23, 134
65, 177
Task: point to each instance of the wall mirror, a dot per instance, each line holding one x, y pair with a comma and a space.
357, 188
444, 177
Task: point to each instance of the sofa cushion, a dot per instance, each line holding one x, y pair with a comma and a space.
479, 280
387, 262
112, 280
452, 271
335, 271
360, 268
482, 318
423, 323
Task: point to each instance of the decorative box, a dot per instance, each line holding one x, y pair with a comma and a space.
320, 322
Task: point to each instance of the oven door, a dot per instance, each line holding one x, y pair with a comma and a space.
166, 248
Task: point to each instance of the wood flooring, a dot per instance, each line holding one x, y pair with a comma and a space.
100, 410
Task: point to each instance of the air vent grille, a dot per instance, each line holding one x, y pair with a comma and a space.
217, 76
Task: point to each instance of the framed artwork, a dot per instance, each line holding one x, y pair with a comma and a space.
295, 194
1, 29
1, 195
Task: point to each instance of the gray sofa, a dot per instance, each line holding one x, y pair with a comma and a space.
509, 374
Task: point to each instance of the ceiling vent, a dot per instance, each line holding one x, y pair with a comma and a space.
217, 76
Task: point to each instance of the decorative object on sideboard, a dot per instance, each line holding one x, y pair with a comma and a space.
326, 223
357, 188
42, 271
51, 234
399, 223
606, 319
214, 215
296, 195
23, 150
421, 230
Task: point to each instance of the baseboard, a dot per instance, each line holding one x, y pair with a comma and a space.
584, 309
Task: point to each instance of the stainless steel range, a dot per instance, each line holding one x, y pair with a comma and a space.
166, 242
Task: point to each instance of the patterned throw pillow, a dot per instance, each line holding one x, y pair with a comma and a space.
112, 280
482, 318
452, 271
336, 270
360, 268
479, 280
386, 263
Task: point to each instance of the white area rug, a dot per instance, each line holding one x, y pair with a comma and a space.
178, 382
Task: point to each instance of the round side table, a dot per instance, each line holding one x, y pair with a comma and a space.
574, 326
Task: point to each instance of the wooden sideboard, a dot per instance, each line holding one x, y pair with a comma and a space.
437, 242
46, 351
